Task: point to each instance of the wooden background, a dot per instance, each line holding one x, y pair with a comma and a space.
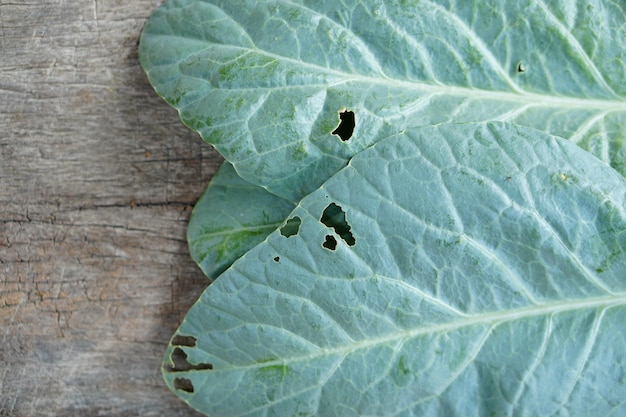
97, 181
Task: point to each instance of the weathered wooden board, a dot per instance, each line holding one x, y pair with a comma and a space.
97, 181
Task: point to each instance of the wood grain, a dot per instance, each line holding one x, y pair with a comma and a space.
97, 181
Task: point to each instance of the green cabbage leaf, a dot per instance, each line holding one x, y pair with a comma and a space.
451, 270
288, 91
443, 246
268, 82
231, 217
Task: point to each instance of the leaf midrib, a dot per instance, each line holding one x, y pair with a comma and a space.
492, 319
523, 98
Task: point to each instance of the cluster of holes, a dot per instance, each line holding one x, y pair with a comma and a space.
180, 363
333, 216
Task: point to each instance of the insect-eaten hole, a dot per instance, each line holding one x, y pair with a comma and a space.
183, 384
277, 259
521, 67
330, 242
180, 340
335, 218
181, 364
291, 227
347, 123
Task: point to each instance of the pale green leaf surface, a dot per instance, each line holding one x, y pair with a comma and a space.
487, 277
231, 217
264, 81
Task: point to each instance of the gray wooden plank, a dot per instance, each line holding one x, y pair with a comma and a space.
97, 181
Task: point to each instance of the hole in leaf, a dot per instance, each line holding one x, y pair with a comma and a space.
277, 259
183, 384
181, 364
180, 340
521, 67
292, 227
347, 122
334, 217
330, 242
